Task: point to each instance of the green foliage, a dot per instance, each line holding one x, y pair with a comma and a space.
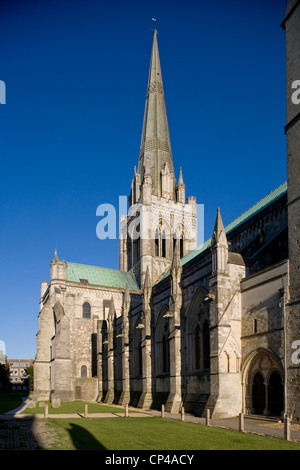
4, 376
29, 380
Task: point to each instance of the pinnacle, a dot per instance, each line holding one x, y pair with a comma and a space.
218, 228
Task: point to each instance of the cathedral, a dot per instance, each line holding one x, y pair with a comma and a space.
210, 327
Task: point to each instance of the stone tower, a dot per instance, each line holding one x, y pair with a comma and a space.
158, 211
291, 24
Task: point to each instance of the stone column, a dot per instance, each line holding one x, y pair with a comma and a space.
110, 393
145, 400
125, 395
225, 397
174, 399
99, 360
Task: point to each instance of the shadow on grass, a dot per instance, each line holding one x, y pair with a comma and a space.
83, 439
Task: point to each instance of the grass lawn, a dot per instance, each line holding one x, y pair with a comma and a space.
152, 434
10, 400
75, 407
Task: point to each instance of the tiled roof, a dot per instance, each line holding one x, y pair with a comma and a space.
101, 276
259, 206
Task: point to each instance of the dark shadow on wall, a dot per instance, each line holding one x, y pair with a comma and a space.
83, 439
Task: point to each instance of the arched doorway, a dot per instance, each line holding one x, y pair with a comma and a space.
258, 394
263, 378
275, 394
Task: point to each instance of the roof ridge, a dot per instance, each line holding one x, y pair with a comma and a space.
93, 266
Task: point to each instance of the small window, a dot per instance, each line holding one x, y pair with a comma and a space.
86, 310
156, 243
163, 245
83, 371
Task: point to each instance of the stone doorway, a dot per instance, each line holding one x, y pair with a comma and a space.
258, 394
275, 394
263, 379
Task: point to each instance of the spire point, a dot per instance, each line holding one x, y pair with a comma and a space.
180, 180
154, 30
155, 147
147, 282
219, 231
55, 258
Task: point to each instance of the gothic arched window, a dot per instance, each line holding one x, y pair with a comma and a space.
181, 247
156, 242
197, 347
206, 345
86, 310
165, 351
83, 371
163, 245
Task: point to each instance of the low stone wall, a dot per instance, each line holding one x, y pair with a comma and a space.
86, 388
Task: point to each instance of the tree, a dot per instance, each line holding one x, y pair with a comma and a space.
29, 377
4, 376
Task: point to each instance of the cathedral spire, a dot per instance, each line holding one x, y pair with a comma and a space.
155, 150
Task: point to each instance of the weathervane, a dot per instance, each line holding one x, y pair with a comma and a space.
154, 21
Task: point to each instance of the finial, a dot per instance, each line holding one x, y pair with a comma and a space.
176, 255
180, 181
147, 281
154, 21
111, 311
55, 258
126, 295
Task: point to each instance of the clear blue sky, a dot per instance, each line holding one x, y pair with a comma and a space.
76, 76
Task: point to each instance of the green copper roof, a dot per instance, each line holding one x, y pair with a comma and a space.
259, 206
266, 201
101, 276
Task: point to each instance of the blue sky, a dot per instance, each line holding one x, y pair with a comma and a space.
76, 77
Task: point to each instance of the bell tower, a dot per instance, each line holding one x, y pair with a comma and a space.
158, 214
